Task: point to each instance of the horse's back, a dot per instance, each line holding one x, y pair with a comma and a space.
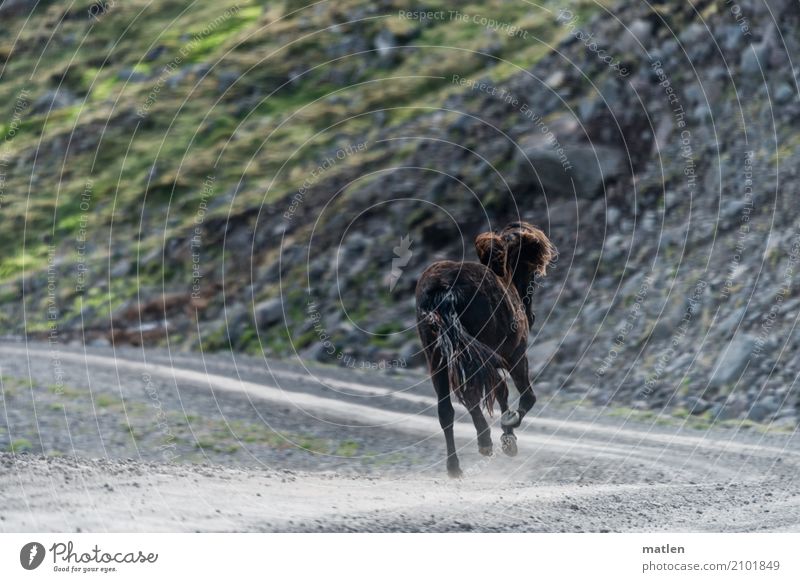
477, 293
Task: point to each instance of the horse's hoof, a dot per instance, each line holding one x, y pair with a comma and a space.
485, 451
455, 473
509, 444
510, 419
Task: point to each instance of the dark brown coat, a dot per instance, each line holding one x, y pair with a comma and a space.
473, 319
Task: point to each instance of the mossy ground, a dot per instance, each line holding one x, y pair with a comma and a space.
252, 93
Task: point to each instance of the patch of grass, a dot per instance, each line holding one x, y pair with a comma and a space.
8, 391
20, 446
65, 391
215, 445
106, 400
135, 433
388, 328
347, 449
312, 444
12, 267
379, 460
217, 436
625, 411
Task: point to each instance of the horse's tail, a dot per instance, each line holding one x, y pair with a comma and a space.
472, 366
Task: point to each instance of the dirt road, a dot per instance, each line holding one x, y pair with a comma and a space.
132, 440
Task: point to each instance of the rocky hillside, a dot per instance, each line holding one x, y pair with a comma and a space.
270, 177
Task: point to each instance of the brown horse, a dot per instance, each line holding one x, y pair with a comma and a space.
473, 319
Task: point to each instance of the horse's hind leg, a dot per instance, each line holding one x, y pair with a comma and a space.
482, 427
508, 440
446, 418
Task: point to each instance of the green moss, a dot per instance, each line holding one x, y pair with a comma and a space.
389, 328
135, 432
12, 267
347, 449
382, 460
106, 400
20, 446
208, 444
312, 444
65, 391
179, 139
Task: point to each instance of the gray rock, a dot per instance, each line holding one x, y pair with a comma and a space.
413, 355
385, 43
318, 352
680, 363
694, 33
131, 76
616, 246
697, 405
271, 273
729, 409
175, 79
634, 283
701, 112
53, 100
667, 50
541, 168
225, 79
17, 7
154, 53
594, 314
269, 312
121, 268
661, 330
697, 41
613, 215
588, 107
639, 34
754, 58
601, 396
731, 36
731, 322
759, 412
732, 361
718, 411
555, 79
784, 93
732, 208
541, 353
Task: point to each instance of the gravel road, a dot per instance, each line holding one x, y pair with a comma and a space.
99, 439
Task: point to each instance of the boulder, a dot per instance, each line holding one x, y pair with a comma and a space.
759, 412
11, 8
413, 355
697, 405
542, 168
542, 353
639, 34
385, 43
754, 58
269, 312
732, 361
